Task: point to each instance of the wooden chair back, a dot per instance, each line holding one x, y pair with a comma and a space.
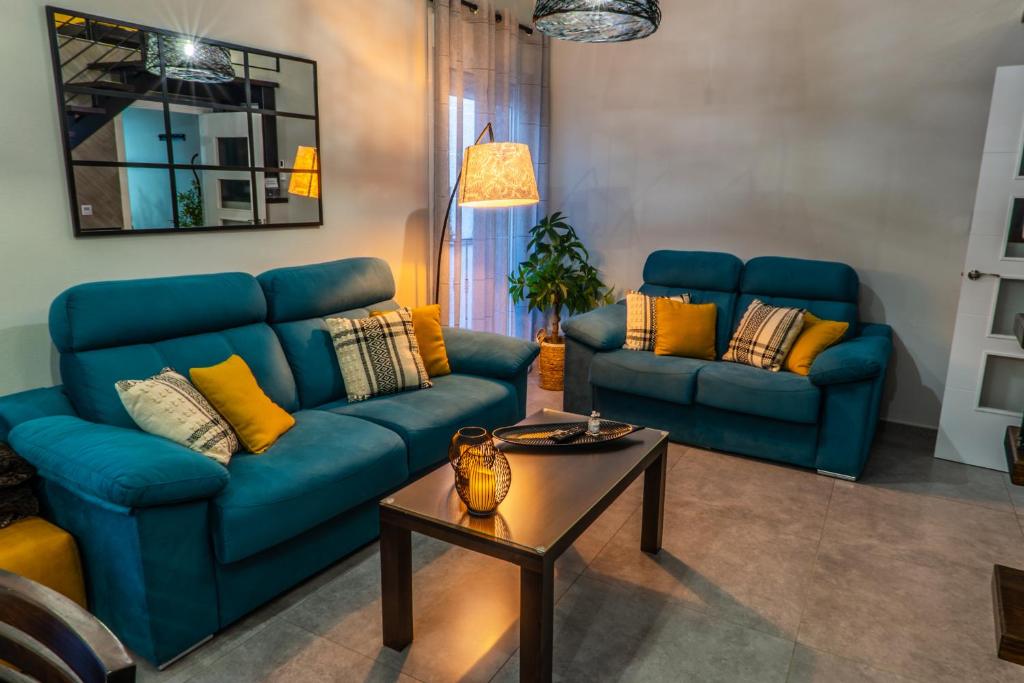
50, 638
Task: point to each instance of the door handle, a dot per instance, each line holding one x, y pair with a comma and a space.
977, 275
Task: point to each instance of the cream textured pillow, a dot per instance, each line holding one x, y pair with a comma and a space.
168, 405
378, 355
642, 319
765, 335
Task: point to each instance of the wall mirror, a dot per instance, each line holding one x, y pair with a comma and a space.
166, 132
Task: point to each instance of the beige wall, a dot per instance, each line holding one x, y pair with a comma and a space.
834, 129
373, 106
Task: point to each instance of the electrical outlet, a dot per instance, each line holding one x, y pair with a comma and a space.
86, 209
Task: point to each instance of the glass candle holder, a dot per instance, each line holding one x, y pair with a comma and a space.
482, 473
465, 439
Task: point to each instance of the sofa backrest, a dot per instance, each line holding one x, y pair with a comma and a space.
709, 277
827, 289
300, 297
109, 331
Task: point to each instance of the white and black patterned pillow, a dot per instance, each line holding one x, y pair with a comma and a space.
168, 405
378, 355
765, 335
642, 319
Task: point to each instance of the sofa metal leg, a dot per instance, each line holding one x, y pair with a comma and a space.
187, 652
836, 475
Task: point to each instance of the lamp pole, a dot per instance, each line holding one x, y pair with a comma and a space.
489, 132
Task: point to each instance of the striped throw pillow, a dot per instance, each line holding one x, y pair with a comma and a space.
765, 335
168, 405
642, 319
378, 355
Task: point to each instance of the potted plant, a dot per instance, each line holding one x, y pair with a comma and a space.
556, 277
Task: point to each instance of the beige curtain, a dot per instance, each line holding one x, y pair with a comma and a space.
485, 70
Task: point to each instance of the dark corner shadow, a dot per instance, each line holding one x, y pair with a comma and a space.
903, 376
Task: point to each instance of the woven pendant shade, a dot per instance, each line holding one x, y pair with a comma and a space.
189, 60
597, 21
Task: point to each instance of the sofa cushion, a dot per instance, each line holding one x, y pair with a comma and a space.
89, 376
323, 289
326, 464
310, 352
667, 378
98, 315
426, 420
827, 289
708, 277
750, 390
693, 269
108, 331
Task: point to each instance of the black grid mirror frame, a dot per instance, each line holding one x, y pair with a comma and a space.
163, 93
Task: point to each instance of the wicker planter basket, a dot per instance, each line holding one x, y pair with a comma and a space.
551, 363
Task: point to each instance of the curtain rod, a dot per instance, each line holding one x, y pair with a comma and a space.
474, 8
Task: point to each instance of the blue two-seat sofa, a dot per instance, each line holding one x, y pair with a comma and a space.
824, 421
176, 546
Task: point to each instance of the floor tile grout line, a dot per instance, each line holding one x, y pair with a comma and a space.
375, 660
814, 566
803, 607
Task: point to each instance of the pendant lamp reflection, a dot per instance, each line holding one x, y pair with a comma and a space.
187, 59
305, 184
597, 21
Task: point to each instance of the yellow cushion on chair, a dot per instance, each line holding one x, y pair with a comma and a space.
38, 550
816, 336
686, 330
426, 325
232, 389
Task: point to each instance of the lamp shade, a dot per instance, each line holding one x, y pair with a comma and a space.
305, 184
597, 21
189, 60
498, 174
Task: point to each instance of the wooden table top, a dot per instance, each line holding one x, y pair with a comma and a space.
551, 492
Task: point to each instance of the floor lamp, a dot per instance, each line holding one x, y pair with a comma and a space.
494, 175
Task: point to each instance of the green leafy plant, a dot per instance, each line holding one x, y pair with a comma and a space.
557, 275
190, 207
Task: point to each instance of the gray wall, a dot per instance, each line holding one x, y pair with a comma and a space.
833, 129
373, 105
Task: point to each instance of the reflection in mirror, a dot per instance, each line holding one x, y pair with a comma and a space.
1015, 234
165, 131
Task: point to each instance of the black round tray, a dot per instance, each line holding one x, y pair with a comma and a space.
537, 435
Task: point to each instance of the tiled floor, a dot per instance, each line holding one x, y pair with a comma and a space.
768, 573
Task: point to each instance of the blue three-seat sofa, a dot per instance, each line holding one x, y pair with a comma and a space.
175, 546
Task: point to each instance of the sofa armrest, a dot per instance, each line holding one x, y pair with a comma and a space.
875, 330
861, 358
31, 405
602, 329
487, 354
124, 467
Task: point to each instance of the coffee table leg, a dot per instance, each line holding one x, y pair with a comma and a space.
654, 504
536, 623
396, 584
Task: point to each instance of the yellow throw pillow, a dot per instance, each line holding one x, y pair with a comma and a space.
426, 325
686, 330
816, 336
231, 388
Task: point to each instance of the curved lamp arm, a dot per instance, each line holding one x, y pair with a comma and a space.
489, 132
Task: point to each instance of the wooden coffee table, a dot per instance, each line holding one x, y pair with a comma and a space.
555, 496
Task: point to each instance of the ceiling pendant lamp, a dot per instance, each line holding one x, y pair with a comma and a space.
597, 21
189, 60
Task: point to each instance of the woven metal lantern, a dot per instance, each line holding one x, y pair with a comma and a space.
482, 473
189, 60
597, 21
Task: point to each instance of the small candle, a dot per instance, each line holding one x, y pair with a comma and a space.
482, 489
